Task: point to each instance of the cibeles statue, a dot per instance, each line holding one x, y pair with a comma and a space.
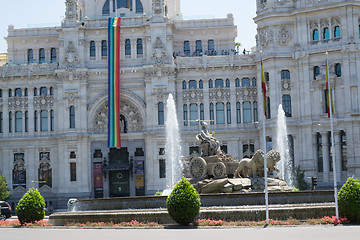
209, 144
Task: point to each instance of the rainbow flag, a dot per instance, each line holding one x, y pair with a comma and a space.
329, 97
263, 85
114, 140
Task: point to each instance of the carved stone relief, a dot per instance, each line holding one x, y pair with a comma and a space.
285, 85
265, 36
219, 94
17, 103
43, 102
283, 36
71, 58
193, 95
127, 109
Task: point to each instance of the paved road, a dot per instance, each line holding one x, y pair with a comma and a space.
278, 233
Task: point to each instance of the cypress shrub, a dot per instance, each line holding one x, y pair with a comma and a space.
31, 207
349, 200
183, 203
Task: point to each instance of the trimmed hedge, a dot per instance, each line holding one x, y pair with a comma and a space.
183, 203
349, 200
31, 207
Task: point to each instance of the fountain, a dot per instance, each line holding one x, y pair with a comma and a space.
282, 144
174, 164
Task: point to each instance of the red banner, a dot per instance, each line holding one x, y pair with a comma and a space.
98, 175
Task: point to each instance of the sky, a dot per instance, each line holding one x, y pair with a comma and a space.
40, 13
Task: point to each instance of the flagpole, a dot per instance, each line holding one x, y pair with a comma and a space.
264, 140
330, 102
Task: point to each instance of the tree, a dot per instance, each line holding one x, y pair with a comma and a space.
4, 191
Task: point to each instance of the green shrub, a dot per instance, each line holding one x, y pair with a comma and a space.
4, 191
300, 181
183, 203
349, 200
31, 207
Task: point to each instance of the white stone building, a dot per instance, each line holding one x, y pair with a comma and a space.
53, 93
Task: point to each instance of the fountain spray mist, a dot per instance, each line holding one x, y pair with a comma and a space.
282, 143
173, 154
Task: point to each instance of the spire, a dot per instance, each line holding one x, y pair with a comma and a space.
71, 13
158, 11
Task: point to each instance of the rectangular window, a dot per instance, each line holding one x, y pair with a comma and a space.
30, 56
35, 121
127, 47
238, 112
41, 55
211, 47
18, 121
52, 123
160, 113
319, 152
211, 113
162, 151
201, 111
285, 74
198, 45
219, 83
72, 116
10, 121
92, 49
44, 121
1, 122
104, 49
220, 114
193, 114
187, 48
192, 84
139, 46
53, 55
343, 152
255, 112
72, 172
247, 112
26, 121
228, 113
162, 168
185, 115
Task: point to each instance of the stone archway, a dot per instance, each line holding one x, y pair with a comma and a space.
134, 121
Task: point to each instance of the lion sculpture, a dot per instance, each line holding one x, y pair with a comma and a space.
250, 167
255, 166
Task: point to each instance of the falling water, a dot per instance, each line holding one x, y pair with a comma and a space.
282, 143
174, 164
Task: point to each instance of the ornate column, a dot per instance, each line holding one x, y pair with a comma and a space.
325, 152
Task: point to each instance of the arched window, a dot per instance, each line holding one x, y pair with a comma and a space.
0, 93
92, 49
286, 103
193, 114
337, 32
247, 112
338, 69
44, 121
253, 82
127, 47
160, 113
106, 8
255, 112
43, 91
228, 113
285, 74
201, 85
219, 83
123, 124
104, 48
245, 82
41, 55
326, 34
185, 111
18, 92
139, 46
18, 121
186, 48
139, 7
238, 112
53, 57
237, 82
211, 47
51, 91
124, 4
201, 111
30, 56
210, 83
184, 85
220, 113
35, 92
316, 71
268, 108
198, 46
72, 117
26, 92
10, 92
315, 36
227, 83
211, 113
192, 84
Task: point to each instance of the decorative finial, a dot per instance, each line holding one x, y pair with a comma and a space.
326, 53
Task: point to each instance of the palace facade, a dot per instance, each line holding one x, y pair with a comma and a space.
54, 93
